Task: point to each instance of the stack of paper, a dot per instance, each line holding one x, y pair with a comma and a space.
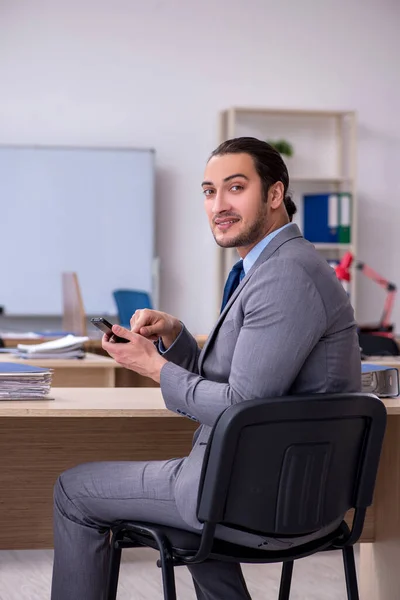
23, 382
70, 346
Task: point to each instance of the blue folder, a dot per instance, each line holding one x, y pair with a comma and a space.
6, 367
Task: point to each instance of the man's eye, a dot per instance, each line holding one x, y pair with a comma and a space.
208, 192
236, 188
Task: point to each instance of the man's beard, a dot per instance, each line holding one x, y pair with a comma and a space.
253, 234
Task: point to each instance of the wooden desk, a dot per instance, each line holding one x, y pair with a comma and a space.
39, 440
91, 371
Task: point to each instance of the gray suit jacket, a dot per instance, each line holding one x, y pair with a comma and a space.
288, 329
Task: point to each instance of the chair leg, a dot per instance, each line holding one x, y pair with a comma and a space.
113, 572
350, 573
286, 580
168, 575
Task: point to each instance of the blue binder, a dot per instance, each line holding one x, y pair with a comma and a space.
321, 218
380, 380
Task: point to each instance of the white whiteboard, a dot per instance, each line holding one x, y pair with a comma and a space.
74, 209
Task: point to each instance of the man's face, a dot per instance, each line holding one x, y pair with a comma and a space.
234, 203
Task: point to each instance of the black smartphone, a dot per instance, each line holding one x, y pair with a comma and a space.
106, 328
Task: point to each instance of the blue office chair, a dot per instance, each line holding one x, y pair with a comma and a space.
128, 301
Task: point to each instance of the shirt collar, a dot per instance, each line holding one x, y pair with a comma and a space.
255, 252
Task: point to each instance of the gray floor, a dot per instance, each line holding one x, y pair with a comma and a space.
26, 575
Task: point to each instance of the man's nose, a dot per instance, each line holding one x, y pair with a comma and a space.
221, 203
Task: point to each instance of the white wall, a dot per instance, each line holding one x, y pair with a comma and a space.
156, 72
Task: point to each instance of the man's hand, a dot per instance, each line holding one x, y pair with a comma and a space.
138, 355
154, 324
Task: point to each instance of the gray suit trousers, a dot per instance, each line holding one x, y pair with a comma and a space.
91, 497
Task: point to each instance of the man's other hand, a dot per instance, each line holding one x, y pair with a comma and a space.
154, 324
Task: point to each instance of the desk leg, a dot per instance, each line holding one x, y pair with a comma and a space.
379, 572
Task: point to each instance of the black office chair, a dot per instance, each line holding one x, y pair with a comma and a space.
282, 468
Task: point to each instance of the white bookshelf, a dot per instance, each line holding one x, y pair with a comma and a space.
324, 161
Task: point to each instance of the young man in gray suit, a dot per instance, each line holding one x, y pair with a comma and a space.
286, 327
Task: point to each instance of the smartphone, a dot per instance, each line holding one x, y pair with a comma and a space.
106, 328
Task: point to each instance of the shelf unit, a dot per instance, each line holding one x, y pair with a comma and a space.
324, 161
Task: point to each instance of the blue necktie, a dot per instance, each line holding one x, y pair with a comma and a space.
234, 278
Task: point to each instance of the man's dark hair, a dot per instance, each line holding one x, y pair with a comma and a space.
267, 161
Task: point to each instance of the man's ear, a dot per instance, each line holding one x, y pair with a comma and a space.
276, 194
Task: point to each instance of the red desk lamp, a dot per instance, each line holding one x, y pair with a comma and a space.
384, 327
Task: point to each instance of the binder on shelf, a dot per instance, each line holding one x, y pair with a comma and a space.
321, 218
344, 218
327, 218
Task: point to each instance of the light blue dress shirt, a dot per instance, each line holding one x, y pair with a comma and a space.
255, 252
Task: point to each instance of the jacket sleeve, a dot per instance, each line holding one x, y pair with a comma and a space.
284, 318
183, 352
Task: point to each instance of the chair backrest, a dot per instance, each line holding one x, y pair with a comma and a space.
128, 301
74, 317
377, 345
290, 466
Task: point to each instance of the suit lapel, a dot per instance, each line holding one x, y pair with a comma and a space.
285, 235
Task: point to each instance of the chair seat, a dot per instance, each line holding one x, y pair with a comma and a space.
185, 543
